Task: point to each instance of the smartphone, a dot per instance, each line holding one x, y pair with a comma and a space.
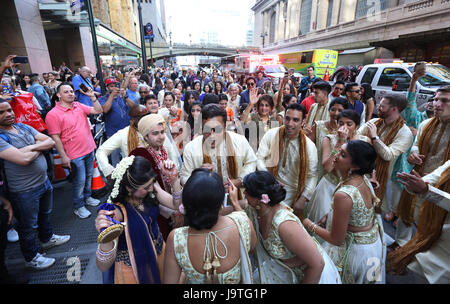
225, 200
420, 66
83, 87
118, 85
20, 59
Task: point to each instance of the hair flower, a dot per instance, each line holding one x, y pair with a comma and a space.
265, 199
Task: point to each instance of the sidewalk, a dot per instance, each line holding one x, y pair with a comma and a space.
75, 260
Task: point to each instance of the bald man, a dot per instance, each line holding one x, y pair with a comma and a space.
83, 78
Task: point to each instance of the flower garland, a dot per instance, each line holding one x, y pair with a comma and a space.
118, 174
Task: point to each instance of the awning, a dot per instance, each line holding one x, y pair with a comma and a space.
356, 51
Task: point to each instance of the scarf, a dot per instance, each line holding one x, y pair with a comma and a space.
405, 209
381, 165
429, 228
275, 158
133, 139
141, 248
232, 163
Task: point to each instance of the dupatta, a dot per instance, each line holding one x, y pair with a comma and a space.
141, 249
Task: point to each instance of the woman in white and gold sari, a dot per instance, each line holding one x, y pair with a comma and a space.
354, 235
285, 252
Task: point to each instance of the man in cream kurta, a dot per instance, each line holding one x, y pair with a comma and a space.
319, 110
434, 264
215, 117
119, 141
437, 148
288, 174
401, 143
289, 160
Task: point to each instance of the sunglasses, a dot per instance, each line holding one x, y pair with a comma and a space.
251, 84
340, 89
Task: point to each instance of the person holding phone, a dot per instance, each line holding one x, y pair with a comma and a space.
81, 85
41, 95
116, 107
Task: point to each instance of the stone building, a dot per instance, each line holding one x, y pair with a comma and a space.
361, 30
49, 32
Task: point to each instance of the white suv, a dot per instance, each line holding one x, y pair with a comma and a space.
388, 78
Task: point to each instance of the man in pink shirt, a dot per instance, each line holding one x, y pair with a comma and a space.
68, 126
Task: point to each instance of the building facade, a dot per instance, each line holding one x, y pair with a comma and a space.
361, 30
50, 32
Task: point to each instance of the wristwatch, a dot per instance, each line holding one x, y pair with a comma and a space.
375, 138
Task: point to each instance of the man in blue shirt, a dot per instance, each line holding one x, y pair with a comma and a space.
306, 82
41, 95
245, 96
353, 94
132, 91
116, 106
83, 78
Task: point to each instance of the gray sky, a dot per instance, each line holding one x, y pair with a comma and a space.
228, 18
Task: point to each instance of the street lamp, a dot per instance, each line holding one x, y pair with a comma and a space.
170, 47
263, 36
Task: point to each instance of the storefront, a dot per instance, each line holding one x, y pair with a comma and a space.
115, 51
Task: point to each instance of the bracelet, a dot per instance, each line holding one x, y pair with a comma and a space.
106, 256
313, 227
177, 195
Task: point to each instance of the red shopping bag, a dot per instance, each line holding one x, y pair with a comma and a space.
25, 111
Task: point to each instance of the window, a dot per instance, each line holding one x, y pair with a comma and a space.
306, 57
272, 28
330, 12
305, 17
368, 75
390, 74
364, 7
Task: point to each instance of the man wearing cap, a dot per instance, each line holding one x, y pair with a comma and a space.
116, 107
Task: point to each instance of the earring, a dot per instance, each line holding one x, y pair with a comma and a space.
258, 207
350, 172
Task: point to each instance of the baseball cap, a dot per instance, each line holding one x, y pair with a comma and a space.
110, 80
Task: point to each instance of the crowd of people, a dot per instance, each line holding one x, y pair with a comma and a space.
225, 179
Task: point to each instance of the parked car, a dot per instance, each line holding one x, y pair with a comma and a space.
395, 77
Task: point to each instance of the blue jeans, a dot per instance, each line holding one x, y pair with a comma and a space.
81, 183
32, 210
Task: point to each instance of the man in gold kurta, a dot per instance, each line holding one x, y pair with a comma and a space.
226, 153
291, 157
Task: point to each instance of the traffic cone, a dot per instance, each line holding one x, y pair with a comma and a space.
97, 180
326, 76
59, 172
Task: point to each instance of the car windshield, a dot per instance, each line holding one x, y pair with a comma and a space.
274, 69
437, 75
